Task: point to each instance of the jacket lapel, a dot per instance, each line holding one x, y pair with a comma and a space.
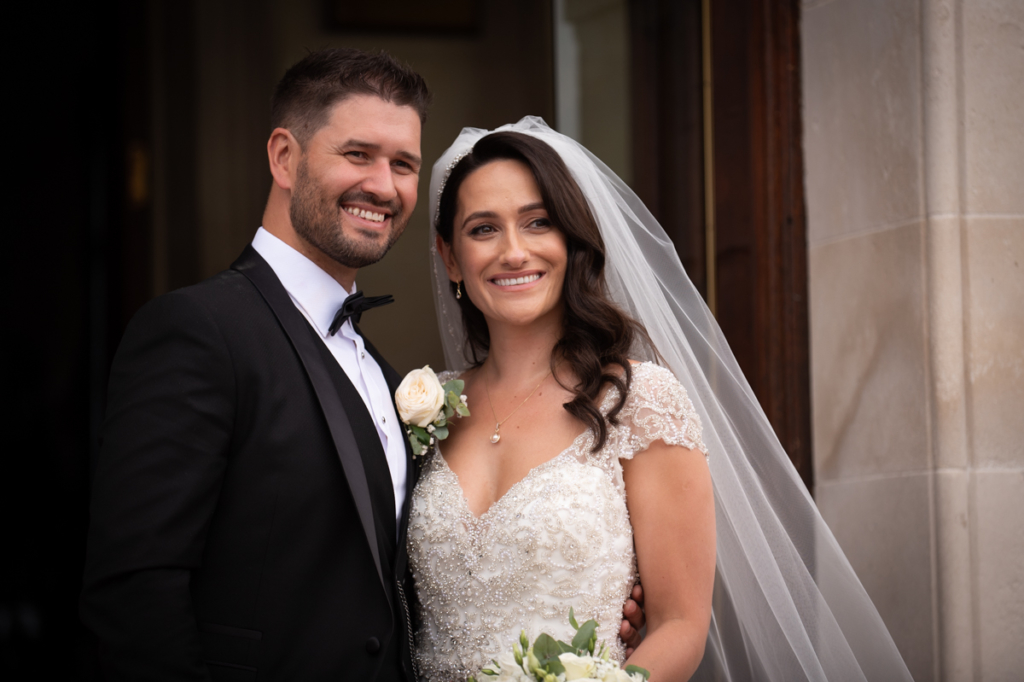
252, 265
412, 465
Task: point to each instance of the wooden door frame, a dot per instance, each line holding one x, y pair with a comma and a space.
759, 237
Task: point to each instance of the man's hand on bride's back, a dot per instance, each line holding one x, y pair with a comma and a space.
633, 620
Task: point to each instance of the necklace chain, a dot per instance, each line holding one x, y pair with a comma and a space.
497, 423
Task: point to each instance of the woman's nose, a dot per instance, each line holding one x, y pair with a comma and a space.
515, 252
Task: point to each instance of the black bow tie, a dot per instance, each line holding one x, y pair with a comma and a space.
354, 306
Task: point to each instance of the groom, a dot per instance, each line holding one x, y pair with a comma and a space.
251, 496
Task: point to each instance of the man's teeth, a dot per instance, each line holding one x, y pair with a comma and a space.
517, 280
363, 213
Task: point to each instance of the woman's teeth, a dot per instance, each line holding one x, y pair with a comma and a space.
517, 280
368, 215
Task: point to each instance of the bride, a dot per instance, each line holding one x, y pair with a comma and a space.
612, 439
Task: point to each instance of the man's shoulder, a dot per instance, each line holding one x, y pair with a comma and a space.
228, 295
226, 287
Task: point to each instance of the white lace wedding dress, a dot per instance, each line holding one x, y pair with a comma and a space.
560, 537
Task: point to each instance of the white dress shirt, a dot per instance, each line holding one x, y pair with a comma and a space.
318, 296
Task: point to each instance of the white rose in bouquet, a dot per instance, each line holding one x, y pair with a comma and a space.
619, 675
577, 668
420, 397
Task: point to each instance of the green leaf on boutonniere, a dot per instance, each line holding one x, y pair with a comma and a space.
417, 446
441, 432
420, 433
456, 386
448, 411
462, 410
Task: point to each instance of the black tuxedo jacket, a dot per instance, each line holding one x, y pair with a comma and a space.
242, 516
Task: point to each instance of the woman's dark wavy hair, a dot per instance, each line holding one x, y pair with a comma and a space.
596, 335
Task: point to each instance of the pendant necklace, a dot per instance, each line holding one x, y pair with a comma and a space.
497, 423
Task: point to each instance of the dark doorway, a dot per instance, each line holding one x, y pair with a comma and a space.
746, 251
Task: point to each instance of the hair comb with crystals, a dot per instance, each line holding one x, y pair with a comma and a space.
444, 181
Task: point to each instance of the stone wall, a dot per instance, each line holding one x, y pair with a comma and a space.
914, 143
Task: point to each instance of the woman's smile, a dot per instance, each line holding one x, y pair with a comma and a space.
516, 281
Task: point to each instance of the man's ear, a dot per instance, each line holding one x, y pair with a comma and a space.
448, 256
283, 152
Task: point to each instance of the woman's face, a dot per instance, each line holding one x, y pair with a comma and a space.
509, 256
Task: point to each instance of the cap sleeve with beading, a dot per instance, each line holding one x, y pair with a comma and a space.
657, 408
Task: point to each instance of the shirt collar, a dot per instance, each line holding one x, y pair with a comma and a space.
317, 293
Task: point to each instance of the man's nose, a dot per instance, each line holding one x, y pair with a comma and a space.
379, 181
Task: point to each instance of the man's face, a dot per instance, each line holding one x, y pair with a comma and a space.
356, 182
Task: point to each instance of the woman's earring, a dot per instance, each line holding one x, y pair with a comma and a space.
458, 289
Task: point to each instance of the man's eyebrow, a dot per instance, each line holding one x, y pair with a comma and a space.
408, 156
362, 145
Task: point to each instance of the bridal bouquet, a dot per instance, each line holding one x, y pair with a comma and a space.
550, 660
426, 407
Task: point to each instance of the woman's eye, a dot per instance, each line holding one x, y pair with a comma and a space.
541, 223
482, 229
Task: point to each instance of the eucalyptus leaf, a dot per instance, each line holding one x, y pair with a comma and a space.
448, 411
632, 669
441, 432
555, 667
584, 635
417, 446
462, 410
421, 433
456, 386
547, 649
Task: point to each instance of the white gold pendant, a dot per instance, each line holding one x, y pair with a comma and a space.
497, 436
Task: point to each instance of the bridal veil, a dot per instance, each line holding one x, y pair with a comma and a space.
787, 604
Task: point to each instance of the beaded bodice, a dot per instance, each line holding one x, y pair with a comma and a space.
560, 537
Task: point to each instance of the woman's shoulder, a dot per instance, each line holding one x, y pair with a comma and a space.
650, 382
651, 371
645, 380
658, 407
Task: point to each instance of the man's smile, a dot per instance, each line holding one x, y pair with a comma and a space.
372, 216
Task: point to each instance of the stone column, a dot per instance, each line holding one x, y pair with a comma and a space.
915, 190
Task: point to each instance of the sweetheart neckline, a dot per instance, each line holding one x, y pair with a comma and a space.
462, 493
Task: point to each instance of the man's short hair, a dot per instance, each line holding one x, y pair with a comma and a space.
304, 98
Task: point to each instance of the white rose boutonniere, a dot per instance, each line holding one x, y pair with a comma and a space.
426, 407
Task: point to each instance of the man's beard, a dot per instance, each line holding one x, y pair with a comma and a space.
318, 220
